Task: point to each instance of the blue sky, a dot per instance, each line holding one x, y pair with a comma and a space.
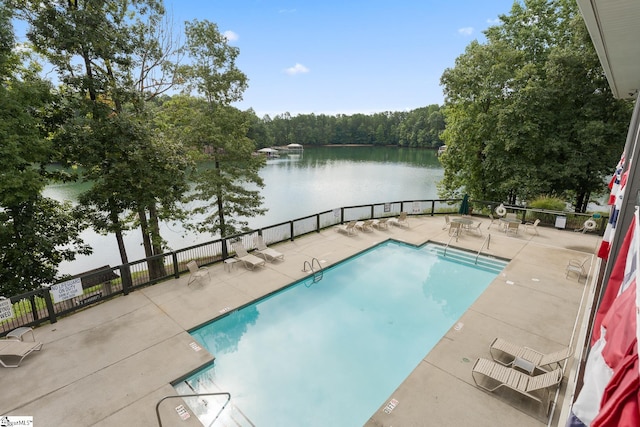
344, 57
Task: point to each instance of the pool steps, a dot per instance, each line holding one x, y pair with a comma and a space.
487, 263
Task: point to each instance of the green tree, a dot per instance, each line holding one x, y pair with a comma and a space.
36, 233
112, 58
530, 112
219, 132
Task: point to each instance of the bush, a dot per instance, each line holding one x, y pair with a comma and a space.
548, 203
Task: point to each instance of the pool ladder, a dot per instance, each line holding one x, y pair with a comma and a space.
487, 241
318, 273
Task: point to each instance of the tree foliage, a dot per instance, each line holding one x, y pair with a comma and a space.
36, 233
218, 133
530, 112
419, 128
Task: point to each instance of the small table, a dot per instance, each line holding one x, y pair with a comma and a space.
524, 365
19, 332
229, 263
464, 221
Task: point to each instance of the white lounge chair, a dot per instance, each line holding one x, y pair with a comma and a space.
365, 225
249, 261
266, 252
196, 273
380, 223
492, 376
400, 220
348, 228
16, 350
506, 353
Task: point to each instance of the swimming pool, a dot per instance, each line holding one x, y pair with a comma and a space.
331, 352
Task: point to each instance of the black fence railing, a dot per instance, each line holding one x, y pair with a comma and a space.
38, 306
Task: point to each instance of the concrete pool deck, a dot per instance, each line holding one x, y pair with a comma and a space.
110, 364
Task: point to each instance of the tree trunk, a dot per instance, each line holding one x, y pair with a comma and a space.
156, 242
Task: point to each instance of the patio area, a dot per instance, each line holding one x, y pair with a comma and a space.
110, 364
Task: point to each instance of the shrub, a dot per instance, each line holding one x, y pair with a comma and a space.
548, 203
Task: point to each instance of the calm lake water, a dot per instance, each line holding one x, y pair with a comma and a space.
321, 179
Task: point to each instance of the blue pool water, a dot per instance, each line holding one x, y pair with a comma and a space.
330, 353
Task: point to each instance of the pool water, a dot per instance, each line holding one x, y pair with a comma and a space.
329, 353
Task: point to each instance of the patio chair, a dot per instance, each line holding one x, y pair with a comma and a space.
380, 223
400, 220
492, 221
577, 266
476, 228
249, 261
348, 228
528, 226
492, 376
506, 353
447, 222
512, 227
365, 225
16, 350
455, 228
511, 215
196, 273
266, 252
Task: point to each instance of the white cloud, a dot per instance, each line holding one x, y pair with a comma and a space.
465, 31
296, 69
230, 36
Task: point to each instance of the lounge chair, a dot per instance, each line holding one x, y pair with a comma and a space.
577, 266
400, 220
380, 223
16, 350
348, 228
365, 225
266, 252
197, 273
249, 261
528, 226
491, 376
506, 353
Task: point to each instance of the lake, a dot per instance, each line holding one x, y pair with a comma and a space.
318, 180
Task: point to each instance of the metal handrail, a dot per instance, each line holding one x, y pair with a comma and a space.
447, 245
487, 241
193, 395
317, 274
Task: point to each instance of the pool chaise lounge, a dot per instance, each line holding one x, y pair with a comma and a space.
250, 261
400, 220
266, 252
348, 228
492, 376
505, 353
16, 350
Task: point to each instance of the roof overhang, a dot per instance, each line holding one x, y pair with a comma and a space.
614, 27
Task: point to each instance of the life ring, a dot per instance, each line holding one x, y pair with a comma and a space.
500, 210
590, 224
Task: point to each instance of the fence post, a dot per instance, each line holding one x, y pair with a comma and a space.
372, 209
47, 300
176, 266
317, 223
291, 229
433, 207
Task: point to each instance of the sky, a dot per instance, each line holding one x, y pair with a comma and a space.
344, 57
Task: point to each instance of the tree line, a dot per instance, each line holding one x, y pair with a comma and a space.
418, 128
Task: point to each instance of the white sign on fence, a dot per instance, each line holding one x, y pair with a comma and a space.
66, 290
6, 308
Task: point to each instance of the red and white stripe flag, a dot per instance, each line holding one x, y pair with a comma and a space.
610, 395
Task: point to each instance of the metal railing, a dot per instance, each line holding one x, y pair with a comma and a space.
36, 307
